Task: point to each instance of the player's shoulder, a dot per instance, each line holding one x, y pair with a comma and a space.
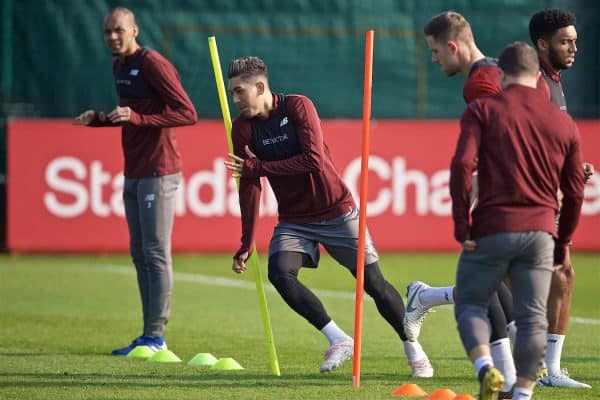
240, 123
297, 98
484, 75
153, 57
298, 104
483, 80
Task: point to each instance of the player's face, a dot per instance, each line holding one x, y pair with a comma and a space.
444, 55
120, 33
246, 95
562, 48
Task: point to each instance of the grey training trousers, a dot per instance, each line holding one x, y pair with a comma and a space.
525, 257
150, 209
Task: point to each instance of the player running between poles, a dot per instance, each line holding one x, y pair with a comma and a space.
279, 136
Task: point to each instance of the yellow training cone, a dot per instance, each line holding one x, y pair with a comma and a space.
165, 356
141, 352
201, 359
226, 364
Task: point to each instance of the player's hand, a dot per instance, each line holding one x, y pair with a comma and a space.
250, 154
588, 171
469, 245
119, 115
239, 263
87, 117
562, 258
235, 165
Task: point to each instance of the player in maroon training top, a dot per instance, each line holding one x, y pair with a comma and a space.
453, 48
553, 34
525, 149
279, 137
152, 103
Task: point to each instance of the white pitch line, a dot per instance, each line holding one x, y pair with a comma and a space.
584, 321
232, 283
238, 283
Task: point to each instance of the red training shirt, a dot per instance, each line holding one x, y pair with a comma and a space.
526, 149
148, 138
307, 186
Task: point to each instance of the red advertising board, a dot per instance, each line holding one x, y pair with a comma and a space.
65, 182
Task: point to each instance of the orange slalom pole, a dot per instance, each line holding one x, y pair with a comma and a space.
362, 221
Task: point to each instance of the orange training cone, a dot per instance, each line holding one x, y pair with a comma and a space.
409, 390
464, 397
442, 394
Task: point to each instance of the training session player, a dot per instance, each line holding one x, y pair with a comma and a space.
279, 137
152, 103
525, 149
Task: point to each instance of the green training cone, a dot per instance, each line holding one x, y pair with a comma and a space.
201, 359
165, 356
226, 363
141, 352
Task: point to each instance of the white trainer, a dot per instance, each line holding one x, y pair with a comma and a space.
561, 379
336, 354
421, 368
415, 311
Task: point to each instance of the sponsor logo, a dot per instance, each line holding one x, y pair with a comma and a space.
276, 139
75, 187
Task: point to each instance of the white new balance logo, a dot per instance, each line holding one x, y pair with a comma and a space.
134, 72
149, 199
283, 122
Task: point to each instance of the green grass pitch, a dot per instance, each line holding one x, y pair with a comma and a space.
60, 316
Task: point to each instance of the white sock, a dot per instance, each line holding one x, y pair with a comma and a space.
435, 296
511, 331
482, 362
554, 352
522, 394
334, 333
503, 360
413, 351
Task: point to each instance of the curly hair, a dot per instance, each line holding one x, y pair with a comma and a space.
246, 67
544, 23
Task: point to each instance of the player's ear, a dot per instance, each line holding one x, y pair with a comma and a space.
542, 44
260, 87
452, 46
135, 31
502, 78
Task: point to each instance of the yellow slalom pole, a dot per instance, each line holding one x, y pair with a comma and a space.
253, 261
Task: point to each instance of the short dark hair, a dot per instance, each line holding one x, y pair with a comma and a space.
122, 10
519, 58
448, 25
246, 67
544, 23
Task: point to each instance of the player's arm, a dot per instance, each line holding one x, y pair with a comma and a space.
178, 109
303, 115
249, 195
461, 173
571, 186
92, 118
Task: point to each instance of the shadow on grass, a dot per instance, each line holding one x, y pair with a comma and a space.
203, 378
